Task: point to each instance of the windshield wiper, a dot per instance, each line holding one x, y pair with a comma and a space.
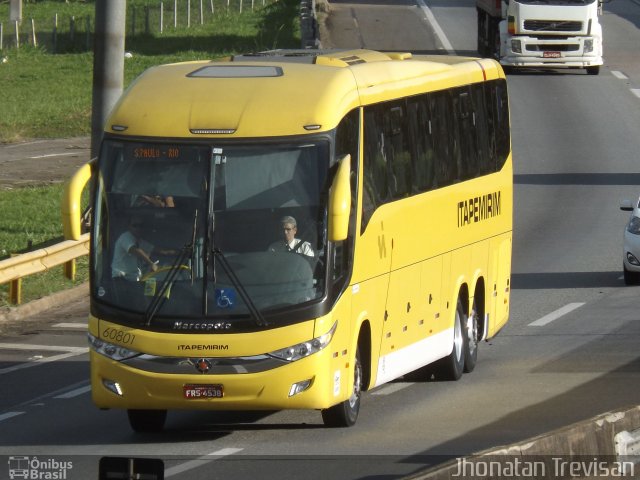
161, 294
255, 312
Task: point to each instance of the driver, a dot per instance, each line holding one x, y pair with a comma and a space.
132, 253
289, 242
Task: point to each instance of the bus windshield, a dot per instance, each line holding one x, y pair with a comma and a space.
194, 231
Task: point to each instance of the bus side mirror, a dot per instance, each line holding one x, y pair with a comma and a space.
340, 201
71, 202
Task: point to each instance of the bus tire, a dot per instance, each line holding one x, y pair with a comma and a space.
147, 421
452, 366
345, 413
471, 340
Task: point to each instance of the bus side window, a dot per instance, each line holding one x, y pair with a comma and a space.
486, 160
440, 110
374, 167
501, 109
419, 129
347, 140
399, 155
466, 121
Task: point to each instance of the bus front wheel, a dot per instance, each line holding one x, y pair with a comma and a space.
345, 413
147, 421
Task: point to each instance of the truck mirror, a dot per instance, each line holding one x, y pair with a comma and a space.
626, 205
340, 201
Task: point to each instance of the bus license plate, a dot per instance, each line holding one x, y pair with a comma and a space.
203, 391
551, 54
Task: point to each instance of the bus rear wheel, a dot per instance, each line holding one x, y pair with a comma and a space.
471, 340
147, 421
345, 413
452, 366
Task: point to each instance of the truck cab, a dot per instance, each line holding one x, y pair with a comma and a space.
542, 34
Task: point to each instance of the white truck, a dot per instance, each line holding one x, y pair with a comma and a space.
541, 33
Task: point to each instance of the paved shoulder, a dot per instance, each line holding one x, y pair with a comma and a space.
41, 162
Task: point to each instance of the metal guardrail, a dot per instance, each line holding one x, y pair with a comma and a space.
13, 269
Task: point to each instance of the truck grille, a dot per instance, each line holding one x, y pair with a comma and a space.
552, 26
550, 47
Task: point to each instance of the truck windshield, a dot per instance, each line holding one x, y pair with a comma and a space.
222, 231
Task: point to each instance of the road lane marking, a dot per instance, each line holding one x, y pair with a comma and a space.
83, 326
200, 461
555, 315
74, 393
622, 76
47, 155
437, 28
42, 348
391, 388
71, 352
7, 415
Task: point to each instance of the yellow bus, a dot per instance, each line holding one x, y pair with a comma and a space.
287, 230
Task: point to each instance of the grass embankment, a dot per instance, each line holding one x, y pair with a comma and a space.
48, 95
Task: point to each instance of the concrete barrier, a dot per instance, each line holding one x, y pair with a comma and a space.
606, 446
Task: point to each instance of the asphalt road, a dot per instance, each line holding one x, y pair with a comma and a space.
41, 161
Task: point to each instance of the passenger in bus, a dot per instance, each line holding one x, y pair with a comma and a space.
159, 201
132, 254
289, 242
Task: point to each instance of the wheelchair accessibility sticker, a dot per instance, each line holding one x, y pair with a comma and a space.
225, 297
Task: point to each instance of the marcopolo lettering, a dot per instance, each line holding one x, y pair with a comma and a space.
201, 326
477, 209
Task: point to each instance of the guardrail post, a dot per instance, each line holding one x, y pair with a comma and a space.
70, 269
15, 289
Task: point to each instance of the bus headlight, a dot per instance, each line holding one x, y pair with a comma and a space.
634, 226
109, 350
304, 349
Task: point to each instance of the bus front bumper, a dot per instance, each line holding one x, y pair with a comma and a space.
311, 383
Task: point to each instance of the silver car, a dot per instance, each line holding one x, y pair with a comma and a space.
631, 252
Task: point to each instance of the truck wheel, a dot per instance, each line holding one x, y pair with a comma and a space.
593, 70
345, 413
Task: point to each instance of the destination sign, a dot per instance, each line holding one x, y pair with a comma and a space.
157, 152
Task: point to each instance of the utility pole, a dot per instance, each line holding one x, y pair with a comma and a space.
108, 65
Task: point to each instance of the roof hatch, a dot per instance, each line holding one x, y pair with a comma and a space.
236, 71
